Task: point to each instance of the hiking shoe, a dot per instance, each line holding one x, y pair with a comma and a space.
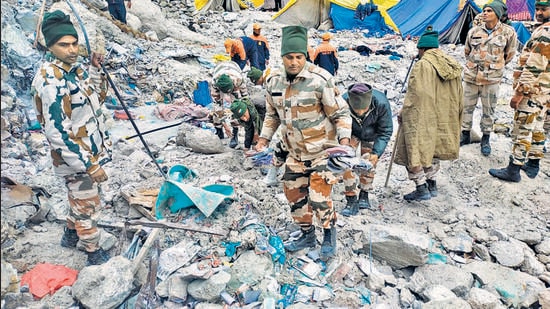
98, 257
465, 138
271, 177
509, 173
351, 208
69, 238
235, 139
531, 168
328, 247
363, 201
485, 145
420, 194
432, 187
307, 240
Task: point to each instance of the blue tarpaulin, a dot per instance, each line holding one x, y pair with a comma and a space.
343, 18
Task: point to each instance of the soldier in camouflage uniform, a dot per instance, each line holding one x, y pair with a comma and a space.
229, 84
68, 100
488, 48
303, 100
530, 101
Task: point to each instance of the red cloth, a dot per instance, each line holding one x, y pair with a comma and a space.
47, 278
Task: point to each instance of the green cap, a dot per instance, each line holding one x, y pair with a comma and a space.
55, 26
542, 3
294, 40
238, 108
254, 74
429, 39
498, 7
224, 83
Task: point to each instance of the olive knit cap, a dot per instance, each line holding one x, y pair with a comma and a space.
224, 83
497, 7
294, 40
429, 39
542, 3
238, 108
360, 96
254, 74
55, 26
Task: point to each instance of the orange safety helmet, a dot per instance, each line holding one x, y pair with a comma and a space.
228, 43
256, 26
326, 36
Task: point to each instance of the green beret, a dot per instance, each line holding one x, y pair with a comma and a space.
224, 83
294, 40
542, 3
55, 26
497, 7
429, 39
238, 108
254, 74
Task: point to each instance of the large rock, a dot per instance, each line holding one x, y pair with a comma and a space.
517, 288
106, 285
455, 279
396, 246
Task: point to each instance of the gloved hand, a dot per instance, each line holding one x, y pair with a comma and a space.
97, 173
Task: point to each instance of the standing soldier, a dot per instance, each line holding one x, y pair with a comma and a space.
372, 127
488, 48
531, 100
261, 45
68, 100
431, 116
303, 100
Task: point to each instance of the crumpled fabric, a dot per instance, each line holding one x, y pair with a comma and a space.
180, 109
342, 158
48, 278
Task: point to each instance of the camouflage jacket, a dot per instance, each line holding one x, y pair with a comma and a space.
532, 75
68, 100
312, 115
223, 101
487, 53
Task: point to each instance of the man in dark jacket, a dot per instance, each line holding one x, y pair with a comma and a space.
247, 116
372, 127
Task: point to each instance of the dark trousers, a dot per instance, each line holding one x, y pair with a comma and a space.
118, 11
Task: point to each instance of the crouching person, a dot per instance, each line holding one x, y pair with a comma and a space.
372, 128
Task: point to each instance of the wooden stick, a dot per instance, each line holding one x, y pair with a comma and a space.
392, 156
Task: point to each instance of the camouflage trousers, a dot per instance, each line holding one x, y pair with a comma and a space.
365, 180
488, 96
308, 186
419, 174
84, 209
528, 135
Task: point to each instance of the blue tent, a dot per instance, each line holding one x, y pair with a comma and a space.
343, 18
523, 34
413, 16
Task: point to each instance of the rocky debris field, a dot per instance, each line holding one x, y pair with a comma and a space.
482, 243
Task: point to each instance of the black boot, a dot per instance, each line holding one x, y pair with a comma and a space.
509, 173
98, 257
307, 240
465, 138
485, 146
235, 139
351, 208
219, 133
531, 168
421, 193
328, 247
69, 239
432, 187
363, 201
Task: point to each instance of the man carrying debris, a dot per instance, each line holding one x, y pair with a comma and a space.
372, 127
228, 84
242, 51
247, 116
431, 116
488, 49
531, 101
68, 99
326, 56
261, 45
303, 100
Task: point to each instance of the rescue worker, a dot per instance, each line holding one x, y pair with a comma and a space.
261, 45
326, 55
242, 51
